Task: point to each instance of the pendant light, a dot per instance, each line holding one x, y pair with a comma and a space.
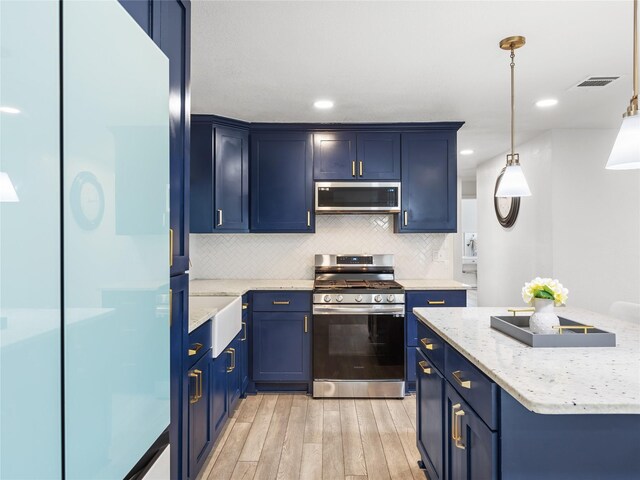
513, 183
625, 154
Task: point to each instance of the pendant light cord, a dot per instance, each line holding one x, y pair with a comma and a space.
513, 103
634, 99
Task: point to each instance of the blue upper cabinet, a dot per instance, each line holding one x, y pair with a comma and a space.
334, 156
379, 156
231, 179
219, 178
356, 156
282, 182
429, 188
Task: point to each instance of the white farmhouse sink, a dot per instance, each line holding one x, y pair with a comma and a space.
225, 323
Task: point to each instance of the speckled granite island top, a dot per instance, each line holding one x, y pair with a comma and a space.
242, 286
548, 380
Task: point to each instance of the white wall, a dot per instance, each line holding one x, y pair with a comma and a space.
581, 224
508, 258
596, 221
291, 256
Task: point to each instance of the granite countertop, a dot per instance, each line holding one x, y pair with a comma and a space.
432, 284
242, 286
548, 380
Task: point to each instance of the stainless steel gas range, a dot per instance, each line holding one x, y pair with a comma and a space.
358, 334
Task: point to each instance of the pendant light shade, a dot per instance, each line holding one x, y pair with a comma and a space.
7, 192
513, 183
625, 154
626, 151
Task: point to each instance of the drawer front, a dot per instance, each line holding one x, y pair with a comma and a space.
199, 343
281, 301
436, 298
472, 385
431, 345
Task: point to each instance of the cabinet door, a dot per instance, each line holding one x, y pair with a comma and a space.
378, 156
233, 374
200, 434
428, 182
281, 346
179, 382
430, 415
243, 352
202, 217
171, 31
472, 448
219, 400
334, 156
231, 179
282, 183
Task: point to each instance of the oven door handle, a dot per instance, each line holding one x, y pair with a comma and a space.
396, 310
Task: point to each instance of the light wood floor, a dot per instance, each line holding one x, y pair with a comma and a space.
297, 437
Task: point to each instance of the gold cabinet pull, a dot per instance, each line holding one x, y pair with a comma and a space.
436, 302
244, 330
171, 247
456, 425
406, 218
306, 326
197, 374
462, 383
423, 366
427, 345
361, 168
245, 306
194, 349
353, 168
232, 352
282, 302
308, 218
170, 307
219, 218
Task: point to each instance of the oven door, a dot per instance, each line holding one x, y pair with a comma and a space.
358, 343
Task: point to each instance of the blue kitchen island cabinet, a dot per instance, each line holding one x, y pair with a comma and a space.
281, 340
282, 182
219, 177
356, 156
470, 427
429, 188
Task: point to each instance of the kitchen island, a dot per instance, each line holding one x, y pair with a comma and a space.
491, 407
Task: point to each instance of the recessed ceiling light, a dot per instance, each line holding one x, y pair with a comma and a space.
323, 104
468, 151
546, 102
9, 110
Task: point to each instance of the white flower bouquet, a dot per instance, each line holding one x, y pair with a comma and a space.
546, 288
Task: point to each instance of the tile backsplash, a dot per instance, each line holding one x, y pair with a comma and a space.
291, 256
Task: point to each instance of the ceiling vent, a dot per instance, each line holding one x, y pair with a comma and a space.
596, 82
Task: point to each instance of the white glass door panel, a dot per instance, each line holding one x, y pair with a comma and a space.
30, 315
116, 240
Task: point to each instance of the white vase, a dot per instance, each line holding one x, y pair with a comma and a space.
543, 319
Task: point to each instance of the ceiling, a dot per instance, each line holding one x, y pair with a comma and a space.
416, 61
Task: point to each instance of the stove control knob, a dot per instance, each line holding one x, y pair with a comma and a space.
378, 298
391, 298
339, 298
327, 298
359, 298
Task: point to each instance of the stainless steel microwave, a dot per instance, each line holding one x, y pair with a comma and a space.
358, 197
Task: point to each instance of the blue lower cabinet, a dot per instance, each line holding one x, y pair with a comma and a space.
281, 346
410, 371
234, 381
219, 396
430, 387
200, 411
472, 448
